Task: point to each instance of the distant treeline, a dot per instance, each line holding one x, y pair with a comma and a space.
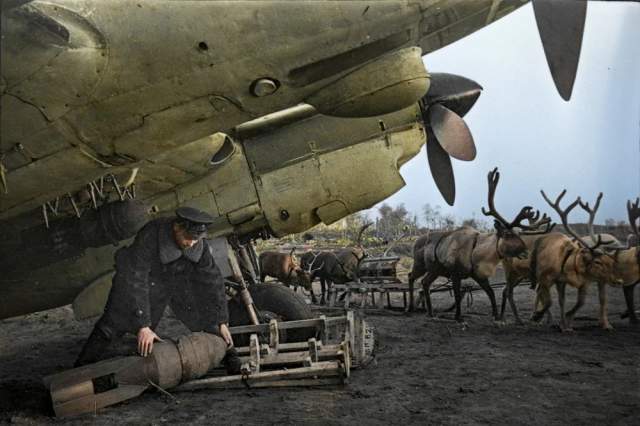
395, 223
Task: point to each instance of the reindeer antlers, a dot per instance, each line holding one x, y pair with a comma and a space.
535, 221
405, 232
527, 212
362, 229
565, 222
564, 213
311, 269
634, 214
592, 214
492, 178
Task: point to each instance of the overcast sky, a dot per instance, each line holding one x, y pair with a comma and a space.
521, 124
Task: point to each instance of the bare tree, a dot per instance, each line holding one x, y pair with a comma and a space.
393, 221
431, 215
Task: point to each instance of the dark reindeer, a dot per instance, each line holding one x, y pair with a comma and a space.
468, 253
339, 267
328, 268
311, 263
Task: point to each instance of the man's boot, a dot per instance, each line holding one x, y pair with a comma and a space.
95, 348
232, 361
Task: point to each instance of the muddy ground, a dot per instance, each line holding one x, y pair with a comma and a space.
425, 372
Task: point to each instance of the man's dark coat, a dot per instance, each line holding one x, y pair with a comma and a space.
154, 272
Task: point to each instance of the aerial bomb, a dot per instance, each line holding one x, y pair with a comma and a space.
93, 386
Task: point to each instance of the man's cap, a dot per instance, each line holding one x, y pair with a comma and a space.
195, 221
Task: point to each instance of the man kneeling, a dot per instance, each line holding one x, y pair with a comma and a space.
169, 263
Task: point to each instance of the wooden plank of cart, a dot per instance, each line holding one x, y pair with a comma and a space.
378, 276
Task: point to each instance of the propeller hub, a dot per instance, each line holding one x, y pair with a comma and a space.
449, 98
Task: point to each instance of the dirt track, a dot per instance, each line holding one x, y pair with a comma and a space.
426, 372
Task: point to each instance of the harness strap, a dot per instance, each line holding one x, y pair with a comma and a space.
500, 256
638, 261
340, 264
290, 272
473, 247
435, 249
356, 256
566, 258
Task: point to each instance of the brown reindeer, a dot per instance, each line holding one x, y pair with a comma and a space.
559, 260
468, 253
627, 261
625, 266
516, 269
284, 268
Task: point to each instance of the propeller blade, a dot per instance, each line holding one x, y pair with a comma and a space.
451, 132
453, 91
561, 25
441, 169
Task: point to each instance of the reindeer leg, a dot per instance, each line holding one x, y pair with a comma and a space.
458, 296
323, 290
334, 293
409, 307
505, 295
542, 302
484, 283
628, 298
536, 307
313, 295
416, 272
582, 295
560, 287
426, 285
512, 303
604, 318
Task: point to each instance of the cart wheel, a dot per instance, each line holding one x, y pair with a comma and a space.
273, 299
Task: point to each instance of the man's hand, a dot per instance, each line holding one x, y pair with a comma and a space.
146, 337
226, 334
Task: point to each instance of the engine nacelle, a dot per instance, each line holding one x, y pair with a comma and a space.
292, 176
390, 83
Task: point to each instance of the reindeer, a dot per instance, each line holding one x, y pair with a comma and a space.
339, 267
517, 269
466, 252
307, 262
284, 268
627, 261
625, 267
331, 270
558, 260
351, 257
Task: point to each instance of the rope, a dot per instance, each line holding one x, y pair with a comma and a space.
161, 390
